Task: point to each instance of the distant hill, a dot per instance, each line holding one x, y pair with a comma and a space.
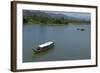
37, 16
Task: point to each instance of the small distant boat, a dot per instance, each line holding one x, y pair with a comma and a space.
81, 29
44, 47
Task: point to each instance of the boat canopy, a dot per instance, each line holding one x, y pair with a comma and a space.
45, 44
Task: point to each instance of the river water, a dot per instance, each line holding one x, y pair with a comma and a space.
70, 43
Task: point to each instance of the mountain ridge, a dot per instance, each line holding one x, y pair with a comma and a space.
44, 15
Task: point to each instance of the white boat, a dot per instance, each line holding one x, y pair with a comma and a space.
44, 47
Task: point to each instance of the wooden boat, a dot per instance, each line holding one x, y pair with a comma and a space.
44, 47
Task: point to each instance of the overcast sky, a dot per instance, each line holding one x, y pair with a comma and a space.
73, 14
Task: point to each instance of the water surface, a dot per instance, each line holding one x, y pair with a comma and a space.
70, 43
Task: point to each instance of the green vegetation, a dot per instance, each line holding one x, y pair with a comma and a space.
50, 21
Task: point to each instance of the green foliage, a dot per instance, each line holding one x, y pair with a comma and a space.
49, 20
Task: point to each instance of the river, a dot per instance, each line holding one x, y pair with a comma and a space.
70, 43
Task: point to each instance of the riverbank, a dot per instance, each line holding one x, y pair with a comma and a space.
51, 21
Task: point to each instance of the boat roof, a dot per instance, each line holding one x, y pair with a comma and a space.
45, 44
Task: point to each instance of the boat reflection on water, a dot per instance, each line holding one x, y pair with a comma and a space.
39, 55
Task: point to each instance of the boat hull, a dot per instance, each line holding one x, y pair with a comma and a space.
42, 49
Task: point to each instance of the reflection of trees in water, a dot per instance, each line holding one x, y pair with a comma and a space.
43, 36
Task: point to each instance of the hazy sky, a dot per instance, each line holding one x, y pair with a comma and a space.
73, 14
